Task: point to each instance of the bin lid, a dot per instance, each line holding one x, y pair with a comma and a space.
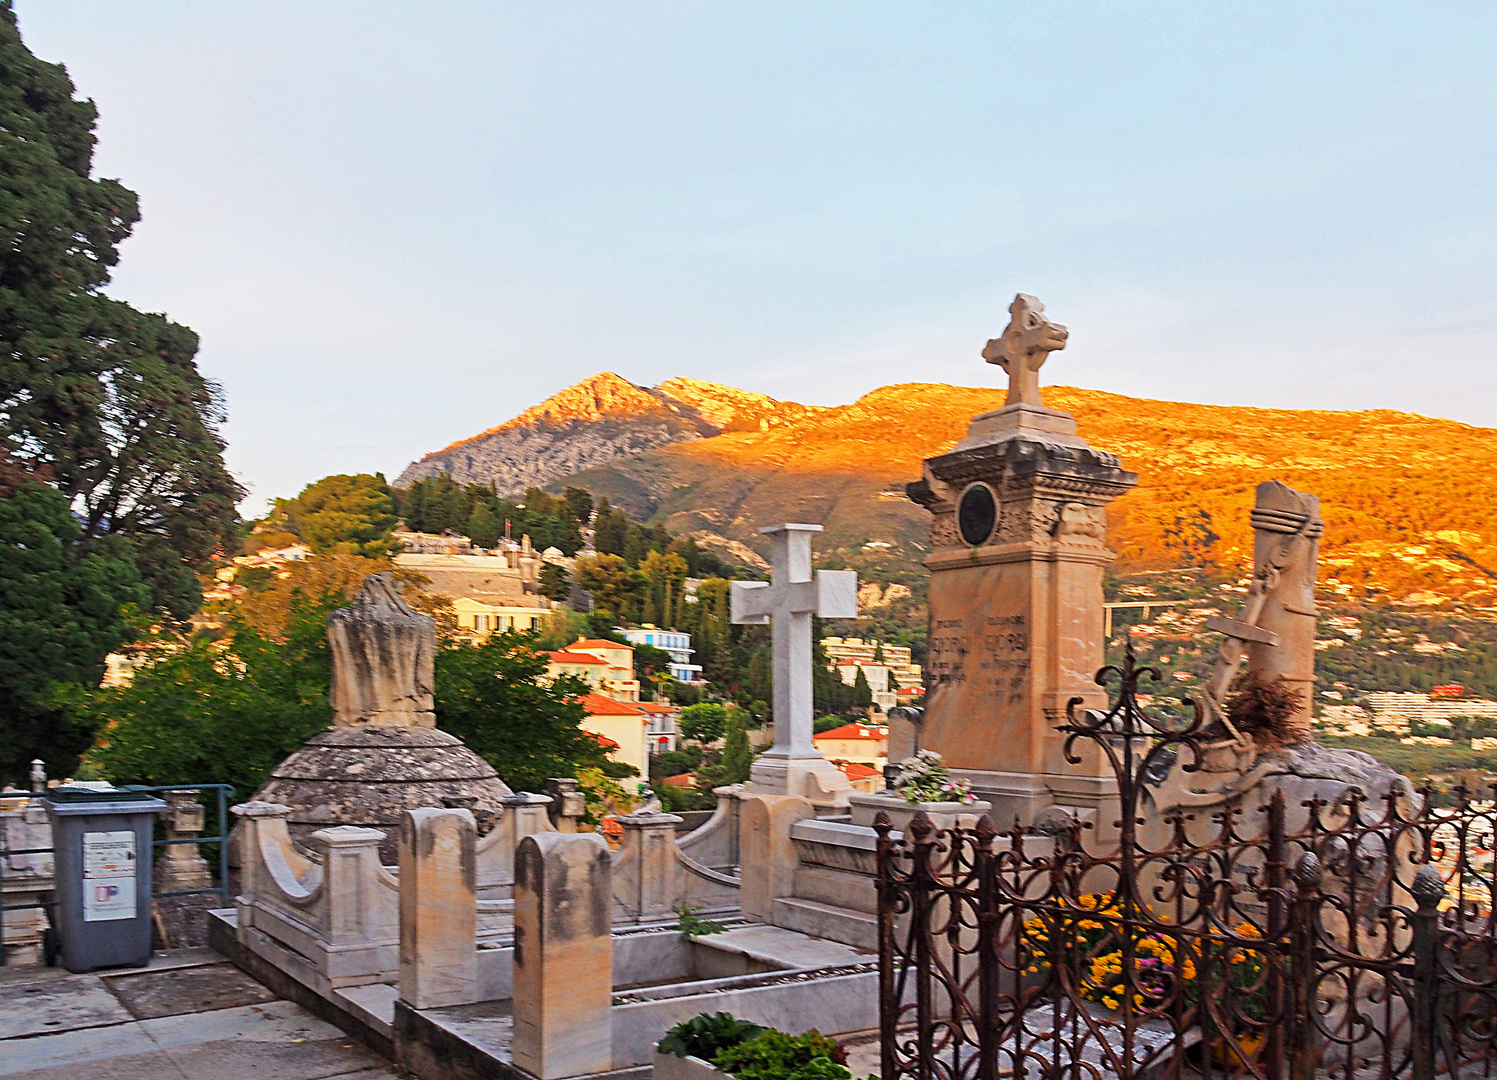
98, 798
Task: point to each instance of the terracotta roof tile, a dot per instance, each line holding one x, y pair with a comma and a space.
598, 643
598, 705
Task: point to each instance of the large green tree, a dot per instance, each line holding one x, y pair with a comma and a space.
107, 398
494, 695
62, 609
343, 514
211, 714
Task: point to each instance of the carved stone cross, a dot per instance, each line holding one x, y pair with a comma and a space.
788, 604
1026, 344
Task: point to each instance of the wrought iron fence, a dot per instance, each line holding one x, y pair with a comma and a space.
1353, 939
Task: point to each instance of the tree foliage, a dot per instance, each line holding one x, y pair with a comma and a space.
484, 526
342, 514
737, 756
442, 505
494, 696
704, 722
555, 583
219, 712
108, 398
62, 608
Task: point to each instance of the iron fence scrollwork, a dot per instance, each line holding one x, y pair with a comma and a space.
1351, 938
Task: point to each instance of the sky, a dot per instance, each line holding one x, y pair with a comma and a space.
395, 225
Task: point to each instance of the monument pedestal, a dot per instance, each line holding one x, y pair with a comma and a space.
1018, 531
813, 778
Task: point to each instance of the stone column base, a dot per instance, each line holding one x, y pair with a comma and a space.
1025, 797
812, 778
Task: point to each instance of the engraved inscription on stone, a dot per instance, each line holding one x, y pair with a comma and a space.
1005, 657
946, 653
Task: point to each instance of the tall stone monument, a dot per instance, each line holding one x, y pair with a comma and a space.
1018, 553
383, 753
793, 765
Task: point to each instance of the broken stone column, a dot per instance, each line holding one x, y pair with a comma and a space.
438, 908
1286, 543
382, 659
563, 981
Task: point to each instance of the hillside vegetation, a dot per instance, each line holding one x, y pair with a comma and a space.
1410, 502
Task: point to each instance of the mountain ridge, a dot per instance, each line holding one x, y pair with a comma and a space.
1410, 502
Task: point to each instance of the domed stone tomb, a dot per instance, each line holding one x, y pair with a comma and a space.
383, 753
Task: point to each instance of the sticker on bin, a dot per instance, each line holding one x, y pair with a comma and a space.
108, 876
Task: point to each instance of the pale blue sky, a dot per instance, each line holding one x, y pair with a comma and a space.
396, 224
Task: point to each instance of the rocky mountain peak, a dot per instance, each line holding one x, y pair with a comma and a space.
604, 395
717, 404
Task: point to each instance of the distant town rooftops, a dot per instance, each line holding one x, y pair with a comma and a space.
598, 643
575, 658
598, 705
854, 731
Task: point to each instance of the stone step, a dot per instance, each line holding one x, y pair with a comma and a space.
857, 929
777, 947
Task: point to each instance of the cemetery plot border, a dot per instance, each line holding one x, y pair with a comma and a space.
1360, 942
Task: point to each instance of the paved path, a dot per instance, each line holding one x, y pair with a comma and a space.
189, 1015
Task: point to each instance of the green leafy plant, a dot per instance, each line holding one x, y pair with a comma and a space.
820, 1068
691, 924
775, 1055
707, 1035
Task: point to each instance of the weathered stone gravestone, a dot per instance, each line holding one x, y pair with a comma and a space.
1273, 646
793, 765
383, 753
1018, 536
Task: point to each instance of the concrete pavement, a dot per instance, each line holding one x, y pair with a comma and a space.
189, 1015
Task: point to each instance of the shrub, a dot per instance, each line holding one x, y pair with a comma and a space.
707, 1035
775, 1055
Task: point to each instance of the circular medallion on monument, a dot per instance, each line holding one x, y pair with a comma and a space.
976, 514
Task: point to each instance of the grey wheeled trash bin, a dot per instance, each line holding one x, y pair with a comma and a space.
101, 844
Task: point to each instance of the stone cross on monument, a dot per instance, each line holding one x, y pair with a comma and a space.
793, 766
1026, 344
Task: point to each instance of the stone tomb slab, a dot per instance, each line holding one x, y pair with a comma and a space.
153, 994
54, 1004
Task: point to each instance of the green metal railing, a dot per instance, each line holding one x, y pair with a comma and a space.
222, 791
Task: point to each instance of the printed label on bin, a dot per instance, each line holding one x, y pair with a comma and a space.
108, 876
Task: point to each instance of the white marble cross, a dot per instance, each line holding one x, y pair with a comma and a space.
788, 603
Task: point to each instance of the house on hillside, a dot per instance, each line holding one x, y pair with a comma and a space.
672, 641
585, 666
618, 679
662, 733
622, 723
864, 745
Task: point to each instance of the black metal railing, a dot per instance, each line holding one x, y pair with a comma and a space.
1353, 938
223, 793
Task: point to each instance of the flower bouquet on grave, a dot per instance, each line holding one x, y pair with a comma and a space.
924, 779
